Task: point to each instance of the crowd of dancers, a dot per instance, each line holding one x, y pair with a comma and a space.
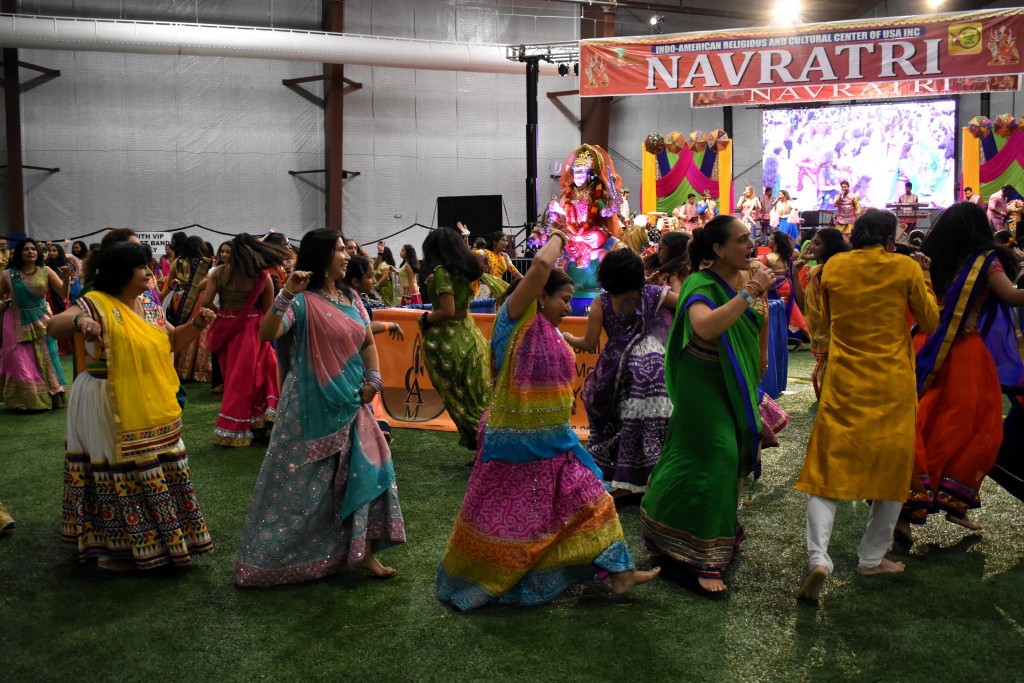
913, 352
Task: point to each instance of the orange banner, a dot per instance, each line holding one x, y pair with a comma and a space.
858, 91
409, 398
933, 46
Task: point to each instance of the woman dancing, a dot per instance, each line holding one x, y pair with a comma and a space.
498, 259
625, 396
713, 364
128, 496
557, 525
960, 413
31, 377
408, 271
328, 470
248, 365
826, 243
454, 351
383, 272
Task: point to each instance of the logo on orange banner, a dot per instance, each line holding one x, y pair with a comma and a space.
965, 39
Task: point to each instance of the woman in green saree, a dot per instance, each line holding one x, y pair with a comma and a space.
714, 360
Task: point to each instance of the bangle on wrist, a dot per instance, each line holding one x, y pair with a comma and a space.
197, 325
746, 296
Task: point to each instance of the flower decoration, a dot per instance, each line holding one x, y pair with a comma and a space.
1015, 205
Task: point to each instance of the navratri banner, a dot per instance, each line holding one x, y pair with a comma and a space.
865, 51
855, 91
410, 400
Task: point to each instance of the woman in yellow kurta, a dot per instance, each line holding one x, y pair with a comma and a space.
862, 444
825, 244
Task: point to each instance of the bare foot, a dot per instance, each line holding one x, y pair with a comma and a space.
812, 584
883, 567
115, 565
623, 581
902, 532
217, 390
371, 563
712, 585
963, 521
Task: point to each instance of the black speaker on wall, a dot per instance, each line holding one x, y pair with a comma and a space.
481, 213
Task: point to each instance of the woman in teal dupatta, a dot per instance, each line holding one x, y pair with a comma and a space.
31, 377
325, 499
715, 356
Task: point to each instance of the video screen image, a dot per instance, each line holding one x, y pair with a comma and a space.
876, 147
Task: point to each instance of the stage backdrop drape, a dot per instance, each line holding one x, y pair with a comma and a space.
410, 400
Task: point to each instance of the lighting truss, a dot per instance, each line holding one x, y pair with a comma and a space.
556, 53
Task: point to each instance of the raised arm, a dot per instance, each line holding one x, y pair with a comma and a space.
709, 324
271, 327
537, 276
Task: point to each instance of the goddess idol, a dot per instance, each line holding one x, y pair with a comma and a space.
586, 212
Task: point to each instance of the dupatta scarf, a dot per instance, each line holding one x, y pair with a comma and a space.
327, 338
528, 418
739, 352
141, 380
30, 298
996, 323
197, 269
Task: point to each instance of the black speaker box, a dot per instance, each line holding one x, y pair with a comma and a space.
480, 213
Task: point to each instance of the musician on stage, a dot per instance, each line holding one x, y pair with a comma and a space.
907, 215
688, 214
847, 209
767, 202
969, 196
997, 207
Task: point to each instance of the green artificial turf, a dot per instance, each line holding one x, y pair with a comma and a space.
956, 614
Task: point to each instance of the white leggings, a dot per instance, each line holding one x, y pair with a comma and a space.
821, 514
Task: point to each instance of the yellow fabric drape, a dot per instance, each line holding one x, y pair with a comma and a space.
725, 202
141, 380
971, 161
649, 181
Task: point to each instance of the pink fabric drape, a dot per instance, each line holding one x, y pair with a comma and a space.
1012, 151
686, 168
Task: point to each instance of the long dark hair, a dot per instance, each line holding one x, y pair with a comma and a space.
19, 249
316, 251
959, 232
61, 260
783, 246
444, 247
702, 246
677, 263
357, 267
410, 258
249, 256
874, 227
834, 242
387, 257
84, 249
194, 247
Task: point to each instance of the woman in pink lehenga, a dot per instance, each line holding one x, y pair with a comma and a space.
31, 377
248, 365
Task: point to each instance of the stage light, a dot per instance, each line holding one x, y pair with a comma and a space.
563, 69
655, 23
655, 19
935, 4
786, 12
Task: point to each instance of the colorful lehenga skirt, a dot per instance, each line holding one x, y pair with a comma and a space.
193, 363
958, 432
628, 409
144, 511
293, 530
689, 510
249, 368
528, 531
457, 359
31, 377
